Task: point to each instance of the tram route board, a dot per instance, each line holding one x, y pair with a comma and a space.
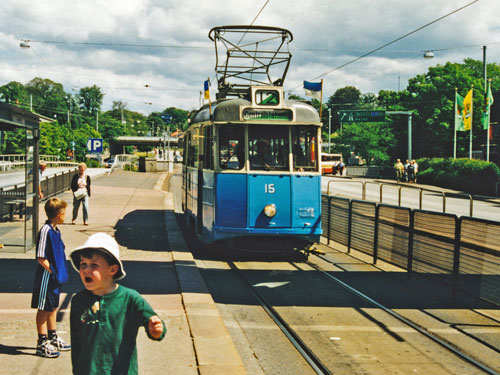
361, 116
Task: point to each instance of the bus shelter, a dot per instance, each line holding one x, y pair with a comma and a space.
19, 178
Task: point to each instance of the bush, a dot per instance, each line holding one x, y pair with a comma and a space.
469, 175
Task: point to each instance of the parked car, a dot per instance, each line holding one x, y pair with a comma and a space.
108, 163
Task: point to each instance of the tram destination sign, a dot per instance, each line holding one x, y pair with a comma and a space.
361, 116
249, 114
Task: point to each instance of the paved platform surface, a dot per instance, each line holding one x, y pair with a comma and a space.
139, 214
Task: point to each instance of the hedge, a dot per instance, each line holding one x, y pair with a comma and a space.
468, 175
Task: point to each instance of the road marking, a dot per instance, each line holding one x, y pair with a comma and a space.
275, 284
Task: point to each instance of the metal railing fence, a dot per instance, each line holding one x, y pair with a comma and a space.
50, 185
384, 186
465, 250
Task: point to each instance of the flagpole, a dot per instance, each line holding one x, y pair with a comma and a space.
471, 121
455, 127
487, 108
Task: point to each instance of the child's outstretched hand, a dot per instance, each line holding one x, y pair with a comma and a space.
155, 326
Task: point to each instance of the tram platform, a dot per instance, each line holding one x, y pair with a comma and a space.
135, 209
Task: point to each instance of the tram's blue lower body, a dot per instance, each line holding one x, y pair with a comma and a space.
232, 206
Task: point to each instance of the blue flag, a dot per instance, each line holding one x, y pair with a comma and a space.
207, 89
313, 89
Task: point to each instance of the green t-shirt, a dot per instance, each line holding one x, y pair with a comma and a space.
104, 331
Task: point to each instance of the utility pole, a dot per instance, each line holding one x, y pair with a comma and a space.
409, 114
329, 130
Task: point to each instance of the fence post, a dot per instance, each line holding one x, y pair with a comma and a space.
349, 226
375, 234
410, 243
329, 219
456, 257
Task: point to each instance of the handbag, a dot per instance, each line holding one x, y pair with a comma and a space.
81, 193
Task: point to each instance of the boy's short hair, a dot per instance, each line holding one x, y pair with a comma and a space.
89, 253
53, 206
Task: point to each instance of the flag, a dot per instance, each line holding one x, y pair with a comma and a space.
485, 119
313, 89
467, 111
459, 108
207, 89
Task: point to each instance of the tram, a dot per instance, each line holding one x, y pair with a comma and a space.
251, 167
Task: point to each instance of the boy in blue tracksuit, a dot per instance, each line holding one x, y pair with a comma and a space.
51, 273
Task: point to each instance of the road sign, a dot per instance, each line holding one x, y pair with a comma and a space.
94, 145
361, 116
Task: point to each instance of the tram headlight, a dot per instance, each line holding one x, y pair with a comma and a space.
270, 210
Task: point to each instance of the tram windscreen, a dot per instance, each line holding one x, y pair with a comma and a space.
268, 147
231, 148
304, 148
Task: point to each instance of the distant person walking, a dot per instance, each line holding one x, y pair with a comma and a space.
406, 165
80, 185
341, 167
411, 172
415, 170
400, 170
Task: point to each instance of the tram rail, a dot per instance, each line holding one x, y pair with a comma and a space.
435, 338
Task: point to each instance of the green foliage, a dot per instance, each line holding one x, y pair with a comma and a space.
371, 141
469, 175
54, 139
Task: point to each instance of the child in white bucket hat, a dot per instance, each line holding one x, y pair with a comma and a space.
105, 317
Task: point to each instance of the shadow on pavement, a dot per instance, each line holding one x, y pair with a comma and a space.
143, 230
16, 350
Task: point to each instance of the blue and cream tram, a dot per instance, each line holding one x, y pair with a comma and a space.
251, 158
251, 169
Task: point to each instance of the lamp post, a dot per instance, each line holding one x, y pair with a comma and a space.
329, 130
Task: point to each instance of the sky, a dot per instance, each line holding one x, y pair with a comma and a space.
155, 54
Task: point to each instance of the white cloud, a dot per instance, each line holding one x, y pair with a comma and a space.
327, 34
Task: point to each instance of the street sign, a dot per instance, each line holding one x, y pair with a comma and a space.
94, 145
361, 116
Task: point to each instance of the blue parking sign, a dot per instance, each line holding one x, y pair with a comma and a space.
94, 145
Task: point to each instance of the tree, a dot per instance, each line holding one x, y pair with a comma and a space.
371, 141
48, 97
90, 100
15, 93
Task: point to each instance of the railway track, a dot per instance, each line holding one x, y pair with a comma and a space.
308, 353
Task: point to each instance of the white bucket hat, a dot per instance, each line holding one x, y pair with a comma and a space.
104, 242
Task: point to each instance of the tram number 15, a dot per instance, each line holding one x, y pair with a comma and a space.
269, 188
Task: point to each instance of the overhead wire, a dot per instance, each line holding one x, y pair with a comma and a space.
391, 42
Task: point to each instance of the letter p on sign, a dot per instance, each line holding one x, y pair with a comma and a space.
94, 145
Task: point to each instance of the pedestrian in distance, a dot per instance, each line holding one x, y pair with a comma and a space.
105, 317
341, 167
51, 273
406, 165
415, 170
80, 185
400, 170
411, 172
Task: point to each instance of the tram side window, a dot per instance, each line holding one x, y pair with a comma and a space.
193, 148
208, 160
231, 148
304, 148
268, 147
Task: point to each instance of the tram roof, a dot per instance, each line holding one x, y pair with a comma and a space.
228, 110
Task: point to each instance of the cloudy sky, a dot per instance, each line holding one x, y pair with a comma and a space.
158, 51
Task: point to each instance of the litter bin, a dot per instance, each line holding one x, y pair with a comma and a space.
142, 164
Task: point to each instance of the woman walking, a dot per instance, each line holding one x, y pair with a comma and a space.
80, 185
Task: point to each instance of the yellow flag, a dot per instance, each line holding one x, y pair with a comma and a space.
467, 111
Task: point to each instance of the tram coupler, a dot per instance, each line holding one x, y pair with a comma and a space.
313, 250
